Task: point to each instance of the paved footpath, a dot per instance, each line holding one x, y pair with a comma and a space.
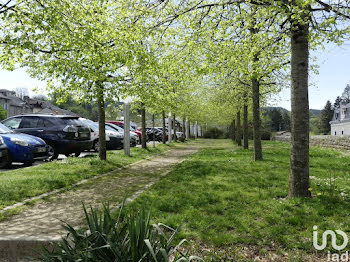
41, 222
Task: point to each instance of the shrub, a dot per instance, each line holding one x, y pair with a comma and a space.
129, 237
214, 133
265, 134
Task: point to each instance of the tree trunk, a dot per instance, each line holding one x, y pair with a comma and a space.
164, 131
127, 129
239, 134
143, 126
233, 134
102, 152
299, 154
170, 128
174, 127
245, 127
258, 155
184, 127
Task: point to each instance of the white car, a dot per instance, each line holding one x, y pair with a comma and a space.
94, 132
178, 134
134, 138
114, 140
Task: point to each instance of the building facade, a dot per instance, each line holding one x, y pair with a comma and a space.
15, 105
340, 124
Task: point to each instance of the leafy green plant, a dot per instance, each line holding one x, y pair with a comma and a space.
128, 237
214, 133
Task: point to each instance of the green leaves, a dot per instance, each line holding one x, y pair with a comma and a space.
126, 236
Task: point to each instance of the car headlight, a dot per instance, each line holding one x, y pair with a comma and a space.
19, 142
1, 141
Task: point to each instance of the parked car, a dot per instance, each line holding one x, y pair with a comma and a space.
94, 133
21, 148
63, 134
166, 132
178, 133
134, 139
154, 134
132, 128
115, 138
3, 154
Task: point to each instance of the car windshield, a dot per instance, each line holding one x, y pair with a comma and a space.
110, 128
89, 123
5, 130
118, 128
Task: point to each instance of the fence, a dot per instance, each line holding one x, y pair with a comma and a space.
324, 141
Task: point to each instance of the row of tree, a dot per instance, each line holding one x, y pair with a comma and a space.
199, 59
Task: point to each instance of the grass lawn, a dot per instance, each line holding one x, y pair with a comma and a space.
20, 184
224, 200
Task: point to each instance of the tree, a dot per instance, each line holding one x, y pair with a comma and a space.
3, 113
295, 18
326, 116
337, 102
40, 97
345, 97
285, 121
276, 120
21, 92
76, 45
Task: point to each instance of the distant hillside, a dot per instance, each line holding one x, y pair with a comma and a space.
315, 112
270, 108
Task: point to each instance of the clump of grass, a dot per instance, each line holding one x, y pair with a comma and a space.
128, 237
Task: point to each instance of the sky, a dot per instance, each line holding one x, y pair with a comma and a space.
334, 74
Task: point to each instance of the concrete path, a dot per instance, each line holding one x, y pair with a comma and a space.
41, 222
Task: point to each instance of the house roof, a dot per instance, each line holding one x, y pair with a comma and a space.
48, 108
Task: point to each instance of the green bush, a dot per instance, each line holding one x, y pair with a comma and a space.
3, 113
214, 133
265, 134
129, 237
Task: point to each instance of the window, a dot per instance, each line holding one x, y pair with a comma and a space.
29, 122
41, 123
13, 123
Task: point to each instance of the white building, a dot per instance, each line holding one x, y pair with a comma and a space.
340, 124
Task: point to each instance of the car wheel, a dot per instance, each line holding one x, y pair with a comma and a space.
7, 162
28, 163
96, 146
52, 152
77, 154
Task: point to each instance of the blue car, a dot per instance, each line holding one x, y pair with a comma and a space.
22, 148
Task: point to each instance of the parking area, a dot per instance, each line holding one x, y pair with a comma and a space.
60, 158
